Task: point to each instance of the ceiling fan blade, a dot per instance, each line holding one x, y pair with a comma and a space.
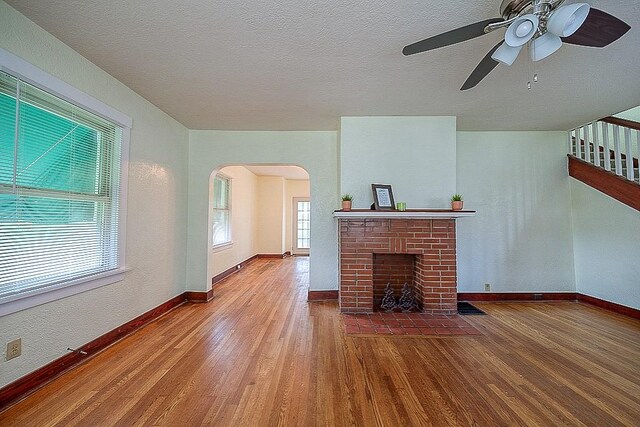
450, 37
482, 69
599, 30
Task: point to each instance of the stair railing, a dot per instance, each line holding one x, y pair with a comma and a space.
610, 143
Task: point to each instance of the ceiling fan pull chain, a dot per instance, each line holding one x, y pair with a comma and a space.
529, 66
535, 80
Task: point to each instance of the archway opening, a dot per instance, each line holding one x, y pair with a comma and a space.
257, 210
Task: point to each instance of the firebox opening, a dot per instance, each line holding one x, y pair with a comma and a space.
396, 269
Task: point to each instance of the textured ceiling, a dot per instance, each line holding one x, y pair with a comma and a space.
300, 65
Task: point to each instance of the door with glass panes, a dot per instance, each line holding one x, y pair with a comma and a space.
301, 226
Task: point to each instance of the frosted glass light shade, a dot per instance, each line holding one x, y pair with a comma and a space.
506, 54
567, 19
521, 30
544, 46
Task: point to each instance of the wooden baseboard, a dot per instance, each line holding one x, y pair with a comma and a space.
22, 387
517, 296
610, 306
283, 255
322, 295
193, 296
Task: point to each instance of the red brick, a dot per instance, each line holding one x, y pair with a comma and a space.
431, 270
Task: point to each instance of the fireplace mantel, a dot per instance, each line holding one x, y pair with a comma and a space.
408, 214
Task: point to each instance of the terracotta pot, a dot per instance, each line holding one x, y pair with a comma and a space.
346, 205
457, 206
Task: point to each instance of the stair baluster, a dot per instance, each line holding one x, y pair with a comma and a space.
616, 149
607, 149
578, 144
587, 145
629, 152
596, 144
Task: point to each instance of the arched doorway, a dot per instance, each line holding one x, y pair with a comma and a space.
256, 210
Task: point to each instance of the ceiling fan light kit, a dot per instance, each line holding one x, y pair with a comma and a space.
521, 30
544, 24
567, 19
544, 46
506, 54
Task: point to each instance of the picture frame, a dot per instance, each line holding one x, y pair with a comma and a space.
383, 197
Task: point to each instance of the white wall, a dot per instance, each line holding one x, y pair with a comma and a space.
632, 114
244, 192
606, 241
294, 188
416, 155
316, 152
521, 238
271, 201
156, 220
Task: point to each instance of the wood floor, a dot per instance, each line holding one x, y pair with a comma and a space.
260, 355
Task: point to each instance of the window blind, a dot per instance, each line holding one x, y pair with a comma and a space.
59, 190
221, 211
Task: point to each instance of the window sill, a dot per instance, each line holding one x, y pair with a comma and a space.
14, 303
222, 247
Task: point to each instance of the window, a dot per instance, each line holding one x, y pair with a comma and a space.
221, 211
302, 225
60, 198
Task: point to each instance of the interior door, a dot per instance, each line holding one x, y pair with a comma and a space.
301, 226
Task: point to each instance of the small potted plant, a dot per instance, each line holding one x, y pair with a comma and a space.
456, 202
346, 202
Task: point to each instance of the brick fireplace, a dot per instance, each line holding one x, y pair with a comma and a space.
377, 248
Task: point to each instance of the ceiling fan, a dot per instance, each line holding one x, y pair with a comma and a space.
543, 24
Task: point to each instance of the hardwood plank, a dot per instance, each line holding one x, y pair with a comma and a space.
611, 306
229, 271
27, 384
261, 354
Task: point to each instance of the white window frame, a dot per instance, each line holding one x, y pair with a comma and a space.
17, 67
294, 223
224, 245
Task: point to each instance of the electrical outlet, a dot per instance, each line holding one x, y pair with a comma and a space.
487, 287
14, 349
